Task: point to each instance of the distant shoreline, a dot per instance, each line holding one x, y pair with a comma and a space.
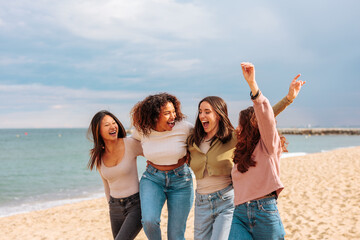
320, 131
309, 131
290, 131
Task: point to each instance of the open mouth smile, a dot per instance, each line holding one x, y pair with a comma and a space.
171, 124
205, 124
112, 133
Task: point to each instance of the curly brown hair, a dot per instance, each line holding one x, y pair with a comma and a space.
248, 138
145, 114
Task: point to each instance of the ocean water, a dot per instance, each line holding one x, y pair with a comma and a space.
42, 168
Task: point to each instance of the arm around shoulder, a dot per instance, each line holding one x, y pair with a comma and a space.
135, 135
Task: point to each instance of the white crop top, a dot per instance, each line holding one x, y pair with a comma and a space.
165, 148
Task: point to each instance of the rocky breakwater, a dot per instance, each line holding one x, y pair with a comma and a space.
320, 131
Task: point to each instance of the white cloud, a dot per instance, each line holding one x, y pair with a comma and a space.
15, 60
183, 64
149, 21
178, 64
38, 105
264, 21
41, 106
63, 93
58, 106
187, 43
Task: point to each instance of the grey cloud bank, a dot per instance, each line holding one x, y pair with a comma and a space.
63, 61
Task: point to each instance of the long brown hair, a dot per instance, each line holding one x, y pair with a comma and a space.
225, 130
145, 114
94, 134
248, 138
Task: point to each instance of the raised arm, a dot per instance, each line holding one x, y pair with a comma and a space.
294, 89
264, 114
249, 75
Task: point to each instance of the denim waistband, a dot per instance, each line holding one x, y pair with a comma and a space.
152, 169
126, 199
214, 194
263, 201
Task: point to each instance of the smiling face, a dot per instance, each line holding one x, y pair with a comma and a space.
167, 117
109, 128
209, 119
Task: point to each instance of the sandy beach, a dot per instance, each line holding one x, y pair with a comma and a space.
320, 201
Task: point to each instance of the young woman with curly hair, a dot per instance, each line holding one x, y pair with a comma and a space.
256, 173
161, 129
114, 155
211, 147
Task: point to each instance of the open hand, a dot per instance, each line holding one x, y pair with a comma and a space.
295, 87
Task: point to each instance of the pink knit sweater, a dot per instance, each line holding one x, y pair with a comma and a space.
264, 178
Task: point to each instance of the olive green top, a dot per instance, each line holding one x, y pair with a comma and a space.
219, 158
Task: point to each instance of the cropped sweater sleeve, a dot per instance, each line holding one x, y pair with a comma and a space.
281, 105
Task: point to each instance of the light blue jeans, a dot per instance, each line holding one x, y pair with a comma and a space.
175, 187
257, 219
213, 214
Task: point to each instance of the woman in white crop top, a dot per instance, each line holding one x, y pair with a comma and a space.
114, 155
160, 127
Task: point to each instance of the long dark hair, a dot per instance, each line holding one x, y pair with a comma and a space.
145, 114
224, 133
94, 134
248, 138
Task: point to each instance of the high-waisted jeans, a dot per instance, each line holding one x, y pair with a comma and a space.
257, 219
125, 217
175, 187
213, 214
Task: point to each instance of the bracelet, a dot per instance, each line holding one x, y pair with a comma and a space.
289, 101
256, 95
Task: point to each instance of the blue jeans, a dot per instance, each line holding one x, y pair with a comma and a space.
125, 217
175, 187
213, 214
257, 219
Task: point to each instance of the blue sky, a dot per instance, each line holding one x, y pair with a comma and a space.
62, 61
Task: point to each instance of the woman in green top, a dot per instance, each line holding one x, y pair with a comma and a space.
211, 147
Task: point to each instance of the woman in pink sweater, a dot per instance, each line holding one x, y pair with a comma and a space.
256, 173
